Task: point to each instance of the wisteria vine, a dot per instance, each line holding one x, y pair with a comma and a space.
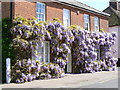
27, 34
92, 51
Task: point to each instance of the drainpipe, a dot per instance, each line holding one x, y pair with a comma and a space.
11, 10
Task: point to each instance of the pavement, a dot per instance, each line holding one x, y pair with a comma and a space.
105, 79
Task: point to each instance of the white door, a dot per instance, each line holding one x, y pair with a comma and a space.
69, 64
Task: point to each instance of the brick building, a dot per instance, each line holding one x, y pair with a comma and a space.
70, 12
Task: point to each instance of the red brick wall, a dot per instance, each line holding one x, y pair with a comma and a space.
104, 24
53, 10
25, 9
92, 22
5, 9
77, 18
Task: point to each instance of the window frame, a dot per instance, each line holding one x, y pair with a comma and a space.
48, 52
98, 53
66, 17
39, 13
87, 21
43, 53
96, 23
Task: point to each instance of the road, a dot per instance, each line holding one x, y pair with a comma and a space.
103, 84
107, 79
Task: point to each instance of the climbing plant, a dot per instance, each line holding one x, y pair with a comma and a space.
27, 35
92, 51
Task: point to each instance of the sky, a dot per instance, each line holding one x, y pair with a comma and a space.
97, 4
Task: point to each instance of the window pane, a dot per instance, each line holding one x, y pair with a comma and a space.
41, 11
38, 54
46, 58
37, 4
86, 22
47, 53
40, 16
96, 23
46, 44
66, 17
41, 58
40, 49
86, 18
86, 28
42, 53
42, 5
46, 47
46, 50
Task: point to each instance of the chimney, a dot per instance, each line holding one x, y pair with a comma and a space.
119, 6
114, 4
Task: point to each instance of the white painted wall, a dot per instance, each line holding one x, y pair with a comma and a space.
117, 44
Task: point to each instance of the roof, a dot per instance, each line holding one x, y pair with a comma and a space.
114, 19
82, 6
116, 12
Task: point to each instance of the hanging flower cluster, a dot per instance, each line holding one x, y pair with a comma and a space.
91, 51
84, 46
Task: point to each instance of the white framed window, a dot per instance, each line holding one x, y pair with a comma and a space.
40, 11
87, 22
96, 24
98, 51
42, 54
66, 17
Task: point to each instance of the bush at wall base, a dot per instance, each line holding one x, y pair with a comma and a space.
29, 70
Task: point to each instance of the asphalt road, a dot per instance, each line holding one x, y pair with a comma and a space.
113, 83
103, 84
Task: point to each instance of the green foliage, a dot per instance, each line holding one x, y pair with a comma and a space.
101, 30
73, 27
7, 50
56, 20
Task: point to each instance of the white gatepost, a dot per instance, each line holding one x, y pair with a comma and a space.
8, 74
69, 63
